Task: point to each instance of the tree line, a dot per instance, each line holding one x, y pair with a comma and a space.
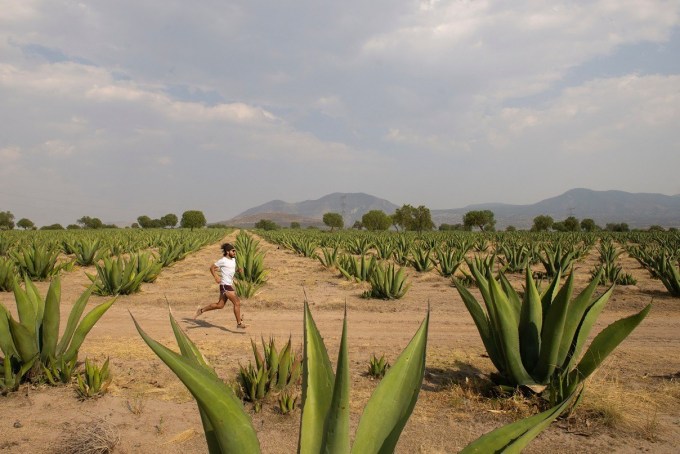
419, 219
190, 219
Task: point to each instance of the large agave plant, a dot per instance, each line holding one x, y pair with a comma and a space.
34, 339
537, 339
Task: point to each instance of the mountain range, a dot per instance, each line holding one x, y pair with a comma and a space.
638, 210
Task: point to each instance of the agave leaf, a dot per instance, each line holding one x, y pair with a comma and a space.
284, 365
580, 320
84, 327
336, 426
605, 342
549, 294
24, 341
553, 328
531, 323
37, 303
50, 324
514, 437
513, 297
25, 308
6, 342
233, 428
392, 402
73, 318
192, 354
508, 334
317, 387
483, 325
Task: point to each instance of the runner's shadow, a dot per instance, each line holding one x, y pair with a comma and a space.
192, 323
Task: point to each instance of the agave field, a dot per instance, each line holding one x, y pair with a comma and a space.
356, 341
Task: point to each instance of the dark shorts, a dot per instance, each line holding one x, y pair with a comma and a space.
226, 288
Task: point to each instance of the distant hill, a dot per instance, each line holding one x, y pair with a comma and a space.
638, 210
352, 206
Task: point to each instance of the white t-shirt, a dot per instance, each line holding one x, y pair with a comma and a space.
227, 267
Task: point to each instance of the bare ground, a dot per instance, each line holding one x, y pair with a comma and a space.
631, 404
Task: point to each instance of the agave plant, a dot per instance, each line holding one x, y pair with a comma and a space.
304, 246
287, 402
384, 247
556, 259
357, 269
8, 274
538, 339
118, 276
148, 264
33, 341
324, 423
6, 244
387, 282
272, 370
88, 252
377, 367
38, 261
422, 259
329, 257
448, 260
663, 265
59, 371
94, 381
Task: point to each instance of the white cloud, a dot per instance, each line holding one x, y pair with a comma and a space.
611, 122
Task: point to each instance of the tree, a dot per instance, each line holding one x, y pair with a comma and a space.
410, 218
169, 220
511, 228
422, 219
294, 225
484, 219
25, 224
376, 220
617, 227
402, 217
73, 227
6, 220
588, 225
542, 223
193, 219
333, 220
571, 224
90, 223
144, 222
445, 227
358, 225
266, 224
52, 227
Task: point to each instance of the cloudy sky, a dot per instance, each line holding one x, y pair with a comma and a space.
116, 109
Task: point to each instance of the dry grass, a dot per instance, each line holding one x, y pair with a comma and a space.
612, 404
97, 437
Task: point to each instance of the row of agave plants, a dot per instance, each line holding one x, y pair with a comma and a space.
548, 254
536, 340
123, 260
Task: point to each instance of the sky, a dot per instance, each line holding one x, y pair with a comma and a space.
117, 109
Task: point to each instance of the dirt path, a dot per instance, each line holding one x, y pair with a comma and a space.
153, 412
